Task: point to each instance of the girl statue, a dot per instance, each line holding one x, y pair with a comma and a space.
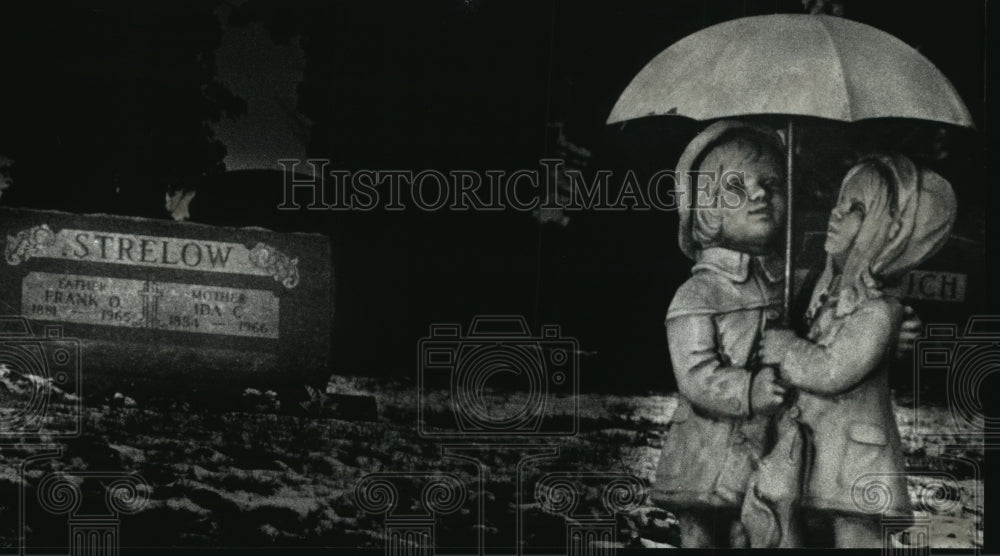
890, 217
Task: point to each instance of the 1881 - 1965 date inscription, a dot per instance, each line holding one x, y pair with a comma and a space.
150, 304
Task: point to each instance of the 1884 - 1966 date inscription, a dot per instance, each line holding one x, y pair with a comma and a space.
150, 304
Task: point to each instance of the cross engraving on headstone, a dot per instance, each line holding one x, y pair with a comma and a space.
150, 298
150, 293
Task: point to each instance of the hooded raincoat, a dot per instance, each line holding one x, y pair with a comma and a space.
841, 368
713, 326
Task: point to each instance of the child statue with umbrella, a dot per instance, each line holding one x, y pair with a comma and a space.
789, 66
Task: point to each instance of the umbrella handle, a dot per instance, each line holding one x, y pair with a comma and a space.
786, 316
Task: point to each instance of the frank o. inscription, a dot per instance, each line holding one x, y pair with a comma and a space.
149, 304
172, 303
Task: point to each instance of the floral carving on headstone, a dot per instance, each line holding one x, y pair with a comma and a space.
28, 243
279, 265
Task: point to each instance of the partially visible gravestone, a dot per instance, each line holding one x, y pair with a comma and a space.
177, 301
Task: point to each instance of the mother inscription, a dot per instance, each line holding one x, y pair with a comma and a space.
167, 298
149, 304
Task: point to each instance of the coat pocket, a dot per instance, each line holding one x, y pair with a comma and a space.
865, 447
867, 433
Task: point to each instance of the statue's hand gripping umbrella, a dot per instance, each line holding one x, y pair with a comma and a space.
791, 65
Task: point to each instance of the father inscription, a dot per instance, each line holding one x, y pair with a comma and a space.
165, 298
149, 304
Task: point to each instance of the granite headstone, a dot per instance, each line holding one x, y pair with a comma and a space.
172, 300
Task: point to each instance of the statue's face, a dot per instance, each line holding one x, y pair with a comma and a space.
754, 224
845, 221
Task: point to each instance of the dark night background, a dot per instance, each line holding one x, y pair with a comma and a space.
107, 104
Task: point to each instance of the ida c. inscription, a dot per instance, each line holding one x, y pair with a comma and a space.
99, 300
153, 251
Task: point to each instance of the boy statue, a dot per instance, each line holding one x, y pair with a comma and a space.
721, 426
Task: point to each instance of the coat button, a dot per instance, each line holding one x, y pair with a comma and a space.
772, 314
794, 412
